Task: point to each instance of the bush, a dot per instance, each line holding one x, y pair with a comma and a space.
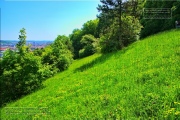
47, 71
90, 44
20, 75
108, 44
130, 31
58, 55
21, 71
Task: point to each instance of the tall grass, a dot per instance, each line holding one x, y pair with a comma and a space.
138, 82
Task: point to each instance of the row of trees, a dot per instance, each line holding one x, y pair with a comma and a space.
120, 23
116, 26
22, 71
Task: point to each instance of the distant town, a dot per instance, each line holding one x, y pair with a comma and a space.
11, 44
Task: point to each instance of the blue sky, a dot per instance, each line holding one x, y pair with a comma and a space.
44, 19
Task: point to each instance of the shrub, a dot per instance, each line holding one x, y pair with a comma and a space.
20, 75
90, 44
58, 55
130, 31
20, 71
108, 43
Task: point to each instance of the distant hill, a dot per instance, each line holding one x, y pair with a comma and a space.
138, 82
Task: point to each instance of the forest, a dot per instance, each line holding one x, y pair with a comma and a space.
119, 24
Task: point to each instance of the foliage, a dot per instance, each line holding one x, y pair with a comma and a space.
153, 25
130, 33
55, 57
58, 55
138, 82
90, 27
48, 69
20, 71
90, 44
131, 28
112, 10
65, 41
119, 24
109, 42
75, 37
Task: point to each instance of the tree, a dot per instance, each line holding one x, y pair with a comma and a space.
22, 38
58, 56
154, 25
90, 45
90, 27
114, 14
21, 71
62, 53
113, 9
21, 45
75, 37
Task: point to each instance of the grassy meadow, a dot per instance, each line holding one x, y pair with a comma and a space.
141, 81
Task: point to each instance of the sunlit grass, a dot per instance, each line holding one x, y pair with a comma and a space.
138, 82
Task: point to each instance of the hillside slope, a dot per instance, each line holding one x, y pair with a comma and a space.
138, 82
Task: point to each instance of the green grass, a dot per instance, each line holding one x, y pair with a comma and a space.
138, 82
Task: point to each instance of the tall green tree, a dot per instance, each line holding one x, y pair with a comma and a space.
113, 9
114, 14
21, 71
21, 45
22, 38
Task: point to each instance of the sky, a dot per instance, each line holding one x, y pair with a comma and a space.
44, 19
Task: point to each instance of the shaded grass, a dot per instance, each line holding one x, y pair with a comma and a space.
139, 82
